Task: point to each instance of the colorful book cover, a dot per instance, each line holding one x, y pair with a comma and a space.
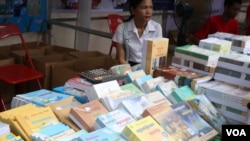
145, 129
182, 94
84, 115
155, 51
194, 121
133, 88
42, 97
171, 122
131, 76
62, 109
103, 134
167, 88
116, 120
10, 137
140, 80
74, 136
207, 111
136, 105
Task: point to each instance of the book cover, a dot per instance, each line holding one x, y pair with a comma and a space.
145, 129
220, 45
208, 111
116, 120
132, 75
157, 97
42, 97
155, 51
10, 137
167, 88
150, 85
183, 93
4, 128
103, 134
171, 122
30, 121
140, 80
62, 109
194, 121
74, 136
162, 72
84, 115
132, 88
136, 105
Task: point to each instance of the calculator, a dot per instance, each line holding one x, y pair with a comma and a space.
100, 75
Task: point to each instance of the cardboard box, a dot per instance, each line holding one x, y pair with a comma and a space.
44, 63
52, 49
61, 72
87, 54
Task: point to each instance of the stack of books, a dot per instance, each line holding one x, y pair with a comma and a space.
231, 100
234, 68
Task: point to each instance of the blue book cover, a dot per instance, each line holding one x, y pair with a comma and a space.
75, 136
140, 80
103, 134
131, 76
78, 94
198, 125
43, 97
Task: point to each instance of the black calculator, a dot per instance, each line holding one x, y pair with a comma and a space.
100, 75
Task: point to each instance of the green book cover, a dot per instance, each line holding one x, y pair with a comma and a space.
183, 93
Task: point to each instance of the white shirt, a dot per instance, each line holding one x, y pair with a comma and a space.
135, 43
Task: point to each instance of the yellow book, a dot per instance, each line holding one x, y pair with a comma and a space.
10, 137
154, 54
145, 129
34, 119
62, 109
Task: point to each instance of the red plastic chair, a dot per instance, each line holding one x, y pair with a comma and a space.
113, 21
17, 73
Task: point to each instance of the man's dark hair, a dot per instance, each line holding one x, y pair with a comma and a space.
232, 2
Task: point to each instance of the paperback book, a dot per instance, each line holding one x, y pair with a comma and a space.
167, 88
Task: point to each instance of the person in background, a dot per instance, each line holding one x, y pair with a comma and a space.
225, 22
248, 20
130, 34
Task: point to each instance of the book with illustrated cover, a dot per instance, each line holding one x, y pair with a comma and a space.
150, 85
145, 129
116, 120
171, 122
84, 115
62, 109
155, 51
79, 83
103, 134
199, 55
42, 97
157, 97
10, 137
201, 128
140, 80
208, 111
136, 105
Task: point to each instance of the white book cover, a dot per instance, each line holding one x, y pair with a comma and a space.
167, 88
157, 97
150, 85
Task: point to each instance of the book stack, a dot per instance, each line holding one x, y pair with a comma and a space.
26, 119
196, 54
234, 68
240, 43
85, 115
220, 45
145, 129
115, 120
155, 51
230, 100
42, 97
171, 122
